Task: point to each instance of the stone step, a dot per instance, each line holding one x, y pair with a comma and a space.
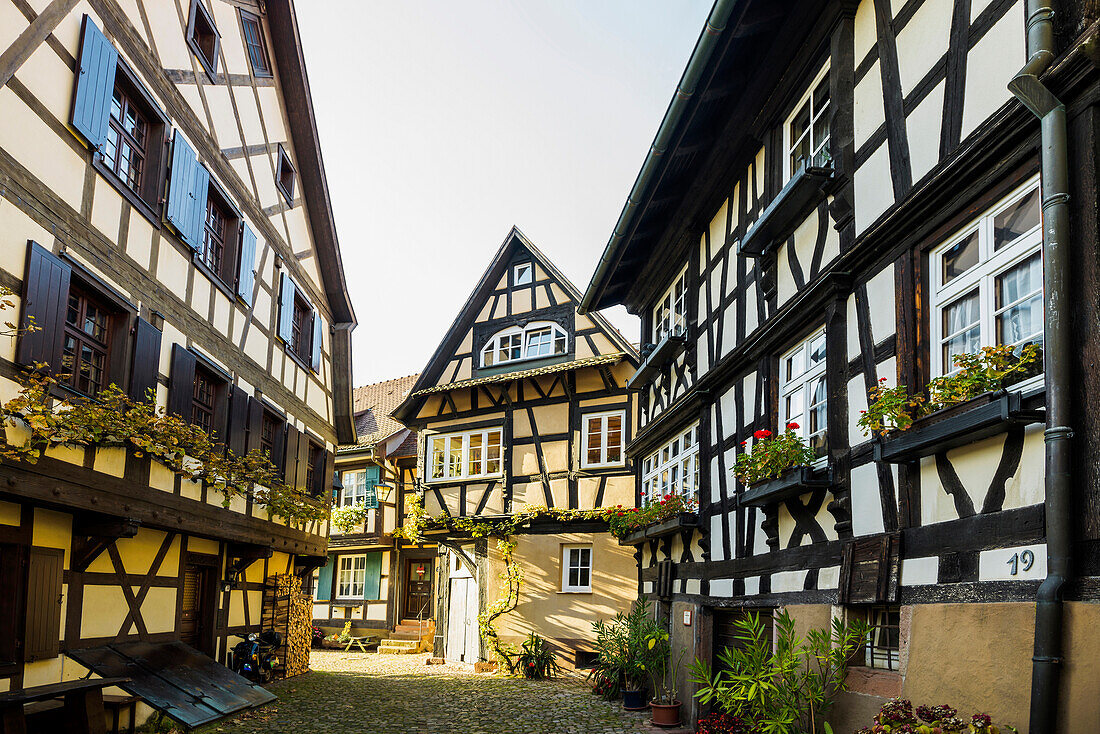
407, 630
390, 650
411, 644
407, 636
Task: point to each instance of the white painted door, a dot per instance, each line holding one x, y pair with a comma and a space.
460, 614
473, 636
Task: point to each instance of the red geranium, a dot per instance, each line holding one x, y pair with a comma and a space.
792, 426
762, 433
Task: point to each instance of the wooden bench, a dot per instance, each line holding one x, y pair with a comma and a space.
81, 705
360, 641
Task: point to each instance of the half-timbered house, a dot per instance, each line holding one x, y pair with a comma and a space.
165, 224
843, 193
381, 584
524, 404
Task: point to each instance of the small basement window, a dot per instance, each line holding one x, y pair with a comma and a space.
203, 38
284, 176
882, 647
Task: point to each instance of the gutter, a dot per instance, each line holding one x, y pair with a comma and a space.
685, 92
1047, 660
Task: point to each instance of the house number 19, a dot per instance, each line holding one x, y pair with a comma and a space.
1023, 560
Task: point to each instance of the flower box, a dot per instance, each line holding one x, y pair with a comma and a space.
984, 416
802, 193
665, 527
797, 481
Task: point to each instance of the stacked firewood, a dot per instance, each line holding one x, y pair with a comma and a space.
290, 613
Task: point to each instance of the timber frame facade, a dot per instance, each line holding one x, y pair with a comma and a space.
844, 192
524, 403
163, 206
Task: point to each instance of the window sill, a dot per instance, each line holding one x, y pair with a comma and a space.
984, 416
805, 189
297, 359
874, 681
575, 592
463, 480
600, 467
138, 203
795, 482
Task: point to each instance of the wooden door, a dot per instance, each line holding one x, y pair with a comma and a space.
418, 589
197, 618
457, 619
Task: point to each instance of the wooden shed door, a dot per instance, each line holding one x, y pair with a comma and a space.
197, 618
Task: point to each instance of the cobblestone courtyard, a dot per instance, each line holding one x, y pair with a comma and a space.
399, 694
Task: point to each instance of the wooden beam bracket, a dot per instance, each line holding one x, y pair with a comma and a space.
93, 534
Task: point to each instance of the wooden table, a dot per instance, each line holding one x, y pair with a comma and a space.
83, 711
359, 642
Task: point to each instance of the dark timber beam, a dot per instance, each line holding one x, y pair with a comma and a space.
93, 534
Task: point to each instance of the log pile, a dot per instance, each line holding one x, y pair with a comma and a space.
290, 613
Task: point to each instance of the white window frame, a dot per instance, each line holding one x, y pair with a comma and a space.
464, 441
876, 655
803, 381
518, 276
567, 557
789, 168
351, 575
604, 447
355, 487
982, 276
673, 468
669, 314
558, 343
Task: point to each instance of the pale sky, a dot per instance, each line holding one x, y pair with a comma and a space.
445, 122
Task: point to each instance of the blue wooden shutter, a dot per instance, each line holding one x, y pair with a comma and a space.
372, 477
372, 585
246, 278
315, 357
324, 580
186, 192
95, 84
286, 308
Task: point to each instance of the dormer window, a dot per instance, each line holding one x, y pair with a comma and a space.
537, 339
806, 132
522, 274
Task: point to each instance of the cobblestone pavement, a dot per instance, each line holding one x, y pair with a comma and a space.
367, 693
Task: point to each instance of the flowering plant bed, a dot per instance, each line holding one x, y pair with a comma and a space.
797, 481
772, 456
898, 717
626, 522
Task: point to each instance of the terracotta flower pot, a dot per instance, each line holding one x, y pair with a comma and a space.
665, 714
635, 700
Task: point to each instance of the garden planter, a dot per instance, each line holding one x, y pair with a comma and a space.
665, 527
333, 645
797, 481
984, 416
665, 714
635, 700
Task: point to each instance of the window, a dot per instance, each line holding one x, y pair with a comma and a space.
806, 132
204, 399
466, 455
355, 488
203, 38
301, 329
127, 136
602, 442
255, 44
537, 339
987, 281
802, 393
86, 346
882, 647
576, 568
352, 577
673, 468
268, 427
522, 274
300, 326
220, 235
670, 313
284, 176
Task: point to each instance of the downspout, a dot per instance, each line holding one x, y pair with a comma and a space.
1026, 86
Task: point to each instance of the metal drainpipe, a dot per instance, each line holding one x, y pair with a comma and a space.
1026, 86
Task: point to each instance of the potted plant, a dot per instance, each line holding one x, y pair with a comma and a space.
620, 664
665, 707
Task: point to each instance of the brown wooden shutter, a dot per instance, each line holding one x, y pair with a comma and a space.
869, 569
303, 461
11, 595
329, 469
290, 462
43, 631
236, 432
146, 365
255, 425
45, 301
181, 382
278, 448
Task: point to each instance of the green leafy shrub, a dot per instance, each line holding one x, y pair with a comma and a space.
536, 659
622, 521
897, 717
772, 455
349, 517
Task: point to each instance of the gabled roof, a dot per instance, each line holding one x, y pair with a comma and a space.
431, 373
373, 406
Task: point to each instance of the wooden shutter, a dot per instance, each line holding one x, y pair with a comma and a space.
11, 595
236, 432
303, 462
95, 84
146, 365
187, 192
315, 356
869, 570
327, 474
246, 274
255, 424
181, 383
278, 448
373, 581
324, 580
45, 300
319, 481
286, 308
290, 462
43, 631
